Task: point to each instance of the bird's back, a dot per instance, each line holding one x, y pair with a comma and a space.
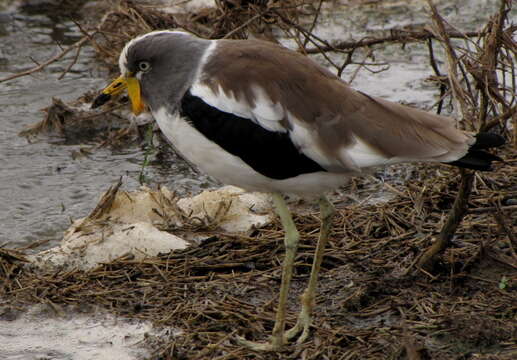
348, 130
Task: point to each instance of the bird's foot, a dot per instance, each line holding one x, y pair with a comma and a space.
303, 325
274, 344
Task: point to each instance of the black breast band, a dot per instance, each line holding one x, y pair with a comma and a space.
270, 153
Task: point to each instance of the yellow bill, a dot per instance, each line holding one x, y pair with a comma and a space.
133, 90
116, 87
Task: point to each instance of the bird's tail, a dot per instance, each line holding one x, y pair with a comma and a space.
478, 159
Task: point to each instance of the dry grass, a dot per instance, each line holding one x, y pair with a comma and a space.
371, 303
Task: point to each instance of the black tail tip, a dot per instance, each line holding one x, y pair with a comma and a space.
485, 140
477, 158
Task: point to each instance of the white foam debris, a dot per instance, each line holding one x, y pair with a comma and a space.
86, 250
232, 208
134, 223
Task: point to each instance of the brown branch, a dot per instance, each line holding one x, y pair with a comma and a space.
53, 59
454, 218
308, 36
489, 209
499, 119
482, 68
434, 65
402, 36
77, 45
492, 47
356, 71
441, 34
74, 61
313, 25
243, 25
347, 62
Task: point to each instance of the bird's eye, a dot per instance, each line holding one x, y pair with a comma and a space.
144, 66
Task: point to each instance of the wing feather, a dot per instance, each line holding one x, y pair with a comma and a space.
263, 111
340, 128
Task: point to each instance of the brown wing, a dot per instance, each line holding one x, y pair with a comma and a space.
336, 116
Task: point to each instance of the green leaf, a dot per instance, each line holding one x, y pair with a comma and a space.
503, 284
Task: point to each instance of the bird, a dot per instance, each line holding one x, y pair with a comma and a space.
265, 118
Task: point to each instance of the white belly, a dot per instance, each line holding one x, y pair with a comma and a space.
230, 169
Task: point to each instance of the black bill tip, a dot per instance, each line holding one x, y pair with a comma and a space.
101, 100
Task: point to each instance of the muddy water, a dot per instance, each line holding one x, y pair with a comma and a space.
41, 185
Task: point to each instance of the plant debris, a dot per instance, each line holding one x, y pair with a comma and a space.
369, 303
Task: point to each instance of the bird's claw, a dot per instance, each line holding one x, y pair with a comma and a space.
302, 325
271, 345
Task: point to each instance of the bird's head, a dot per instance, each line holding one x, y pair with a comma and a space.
152, 67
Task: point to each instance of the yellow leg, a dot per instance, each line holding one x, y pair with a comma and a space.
327, 211
291, 247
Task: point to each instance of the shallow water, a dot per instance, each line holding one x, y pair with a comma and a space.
71, 336
41, 185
